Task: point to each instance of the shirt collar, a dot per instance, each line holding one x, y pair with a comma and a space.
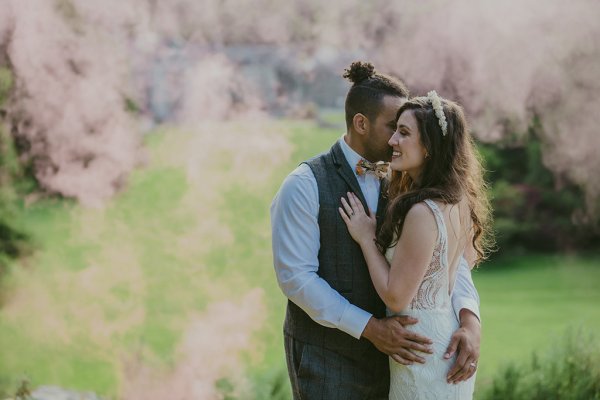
351, 156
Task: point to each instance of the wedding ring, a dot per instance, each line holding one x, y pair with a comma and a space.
473, 365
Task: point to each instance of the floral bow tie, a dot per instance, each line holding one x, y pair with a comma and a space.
380, 168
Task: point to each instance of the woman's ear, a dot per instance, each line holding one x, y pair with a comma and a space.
360, 123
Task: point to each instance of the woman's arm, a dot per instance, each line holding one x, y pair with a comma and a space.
397, 283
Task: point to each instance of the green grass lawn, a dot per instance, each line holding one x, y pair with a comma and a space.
124, 282
527, 303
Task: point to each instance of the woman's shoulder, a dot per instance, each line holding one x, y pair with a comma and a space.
420, 225
421, 211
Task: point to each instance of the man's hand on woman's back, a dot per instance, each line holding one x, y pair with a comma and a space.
390, 336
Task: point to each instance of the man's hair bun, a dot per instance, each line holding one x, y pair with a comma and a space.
359, 71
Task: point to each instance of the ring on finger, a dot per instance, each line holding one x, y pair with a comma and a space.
473, 365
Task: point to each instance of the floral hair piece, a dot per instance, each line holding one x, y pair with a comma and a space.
436, 102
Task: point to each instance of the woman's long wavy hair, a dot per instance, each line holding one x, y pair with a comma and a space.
452, 170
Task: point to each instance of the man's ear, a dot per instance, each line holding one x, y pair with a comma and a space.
360, 122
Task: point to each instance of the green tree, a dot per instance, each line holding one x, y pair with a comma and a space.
13, 241
533, 210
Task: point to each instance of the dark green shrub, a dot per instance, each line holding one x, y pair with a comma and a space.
570, 370
532, 211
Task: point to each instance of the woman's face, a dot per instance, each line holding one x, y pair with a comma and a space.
408, 151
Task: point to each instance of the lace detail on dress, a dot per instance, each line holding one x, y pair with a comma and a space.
433, 292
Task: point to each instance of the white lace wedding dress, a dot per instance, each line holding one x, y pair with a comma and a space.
432, 306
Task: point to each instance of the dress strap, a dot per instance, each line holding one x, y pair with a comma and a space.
439, 219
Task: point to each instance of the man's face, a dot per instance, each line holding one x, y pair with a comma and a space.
382, 129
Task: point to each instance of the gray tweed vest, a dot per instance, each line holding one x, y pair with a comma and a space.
341, 262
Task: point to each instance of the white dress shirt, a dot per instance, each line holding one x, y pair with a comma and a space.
296, 242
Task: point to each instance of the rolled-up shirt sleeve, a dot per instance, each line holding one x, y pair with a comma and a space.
465, 294
296, 243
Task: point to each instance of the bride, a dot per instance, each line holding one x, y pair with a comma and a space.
437, 217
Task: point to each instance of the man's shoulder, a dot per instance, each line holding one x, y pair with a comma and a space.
302, 171
299, 180
322, 164
298, 190
319, 159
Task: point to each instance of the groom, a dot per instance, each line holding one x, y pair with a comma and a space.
337, 338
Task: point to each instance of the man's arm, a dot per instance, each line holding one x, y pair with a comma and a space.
296, 242
464, 295
466, 339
